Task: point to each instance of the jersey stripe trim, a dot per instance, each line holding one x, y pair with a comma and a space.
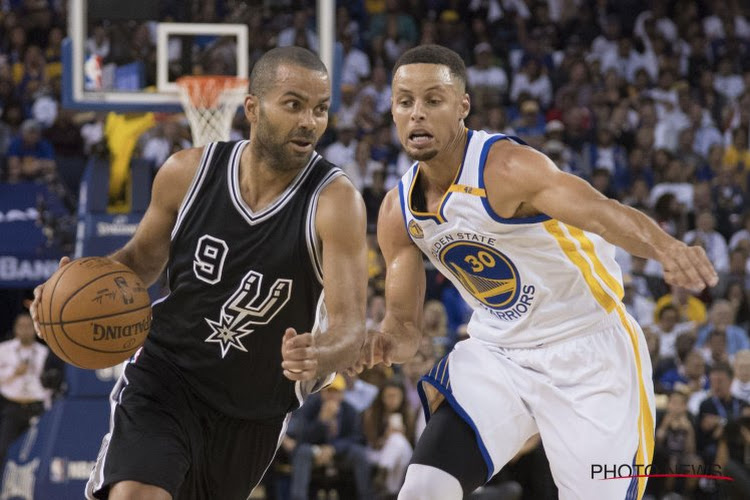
96, 479
195, 186
403, 207
311, 235
645, 450
448, 395
588, 249
461, 188
569, 248
438, 216
486, 202
235, 192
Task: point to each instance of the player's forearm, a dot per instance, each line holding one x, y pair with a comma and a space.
147, 267
339, 347
631, 230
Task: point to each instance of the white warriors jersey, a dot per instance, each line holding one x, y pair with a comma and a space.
531, 281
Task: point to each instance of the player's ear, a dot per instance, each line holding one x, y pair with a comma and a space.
252, 104
465, 106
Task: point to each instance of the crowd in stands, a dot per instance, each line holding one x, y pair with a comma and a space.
648, 100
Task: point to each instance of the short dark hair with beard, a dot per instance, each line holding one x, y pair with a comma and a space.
263, 75
434, 54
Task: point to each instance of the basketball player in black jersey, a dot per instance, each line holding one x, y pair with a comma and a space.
251, 234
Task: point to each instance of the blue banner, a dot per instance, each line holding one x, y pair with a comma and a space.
55, 457
26, 259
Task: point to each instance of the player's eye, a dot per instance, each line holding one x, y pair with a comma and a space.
293, 105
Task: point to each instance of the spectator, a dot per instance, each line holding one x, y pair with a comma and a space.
741, 383
729, 201
532, 82
23, 396
487, 82
356, 65
379, 90
737, 154
689, 306
98, 43
675, 441
689, 374
668, 326
327, 433
389, 428
721, 318
716, 411
298, 33
530, 125
29, 156
741, 238
713, 242
344, 150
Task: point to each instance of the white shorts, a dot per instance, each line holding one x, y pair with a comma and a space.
590, 398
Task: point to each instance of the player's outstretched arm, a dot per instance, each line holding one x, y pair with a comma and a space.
341, 224
529, 177
147, 251
405, 285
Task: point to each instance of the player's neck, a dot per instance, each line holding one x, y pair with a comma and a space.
261, 183
440, 171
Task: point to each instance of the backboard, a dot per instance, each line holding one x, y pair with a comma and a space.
126, 55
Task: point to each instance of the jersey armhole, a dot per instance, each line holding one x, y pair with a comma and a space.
311, 235
195, 186
485, 200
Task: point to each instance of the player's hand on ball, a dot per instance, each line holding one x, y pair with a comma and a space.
299, 355
38, 299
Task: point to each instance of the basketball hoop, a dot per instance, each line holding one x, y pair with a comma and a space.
210, 103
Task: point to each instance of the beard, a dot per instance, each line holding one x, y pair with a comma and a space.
422, 155
277, 152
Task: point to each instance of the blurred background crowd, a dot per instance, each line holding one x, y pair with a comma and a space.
647, 100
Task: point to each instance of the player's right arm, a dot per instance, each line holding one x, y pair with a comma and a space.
401, 330
148, 250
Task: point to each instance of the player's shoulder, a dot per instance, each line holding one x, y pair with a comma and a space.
390, 208
174, 177
509, 159
340, 189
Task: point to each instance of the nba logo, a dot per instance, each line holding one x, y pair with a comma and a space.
92, 70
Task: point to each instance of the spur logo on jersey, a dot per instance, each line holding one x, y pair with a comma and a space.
489, 276
247, 308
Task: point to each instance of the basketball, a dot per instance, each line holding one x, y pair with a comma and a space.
94, 312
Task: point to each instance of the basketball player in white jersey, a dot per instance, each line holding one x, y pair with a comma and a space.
551, 348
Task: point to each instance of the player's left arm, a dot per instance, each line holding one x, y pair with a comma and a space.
529, 177
342, 228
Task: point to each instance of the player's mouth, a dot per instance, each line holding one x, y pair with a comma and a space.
301, 145
420, 138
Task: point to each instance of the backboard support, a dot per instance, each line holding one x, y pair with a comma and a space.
83, 73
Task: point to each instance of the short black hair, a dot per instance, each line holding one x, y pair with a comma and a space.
434, 54
264, 72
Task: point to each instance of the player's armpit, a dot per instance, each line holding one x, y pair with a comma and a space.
341, 224
148, 250
404, 286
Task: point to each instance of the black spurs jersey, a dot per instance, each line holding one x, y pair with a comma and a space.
237, 280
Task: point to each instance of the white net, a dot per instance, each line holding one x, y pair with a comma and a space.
210, 103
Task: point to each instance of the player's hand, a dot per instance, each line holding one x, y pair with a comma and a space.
38, 299
299, 355
688, 267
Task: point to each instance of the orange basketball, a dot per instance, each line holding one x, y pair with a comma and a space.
94, 312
